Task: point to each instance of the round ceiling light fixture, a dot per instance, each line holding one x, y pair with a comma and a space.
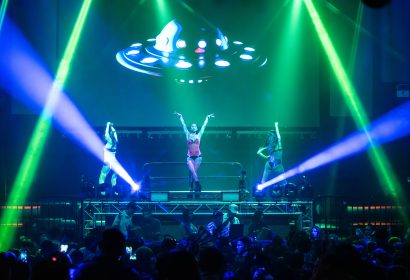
187, 54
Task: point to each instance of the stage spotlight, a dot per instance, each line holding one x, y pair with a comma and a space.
135, 187
390, 127
25, 78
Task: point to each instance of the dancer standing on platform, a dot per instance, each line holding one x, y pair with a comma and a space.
194, 158
110, 149
274, 166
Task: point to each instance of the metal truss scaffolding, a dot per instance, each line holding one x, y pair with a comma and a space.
99, 213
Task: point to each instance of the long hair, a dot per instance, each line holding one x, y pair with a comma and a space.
271, 139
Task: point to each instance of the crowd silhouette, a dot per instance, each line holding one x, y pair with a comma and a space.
369, 253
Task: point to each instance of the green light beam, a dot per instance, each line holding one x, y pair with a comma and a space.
287, 63
275, 15
192, 11
35, 148
163, 15
351, 66
3, 9
383, 169
355, 42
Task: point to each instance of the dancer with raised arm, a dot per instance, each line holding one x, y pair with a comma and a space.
110, 149
194, 159
273, 166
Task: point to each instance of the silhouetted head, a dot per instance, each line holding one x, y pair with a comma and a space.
131, 208
242, 245
112, 243
217, 217
211, 260
146, 213
315, 232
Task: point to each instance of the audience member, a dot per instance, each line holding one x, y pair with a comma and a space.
215, 227
186, 227
257, 224
150, 226
211, 254
178, 265
230, 217
108, 265
123, 221
211, 263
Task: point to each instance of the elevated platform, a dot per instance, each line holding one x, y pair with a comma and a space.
97, 213
82, 216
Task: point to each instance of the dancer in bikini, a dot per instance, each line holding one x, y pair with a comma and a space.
194, 159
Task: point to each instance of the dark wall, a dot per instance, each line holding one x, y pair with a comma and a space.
4, 123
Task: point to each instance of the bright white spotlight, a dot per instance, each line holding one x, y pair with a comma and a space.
149, 59
249, 49
181, 44
131, 52
183, 64
222, 63
135, 187
245, 56
202, 44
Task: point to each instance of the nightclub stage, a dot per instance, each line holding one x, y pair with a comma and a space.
314, 92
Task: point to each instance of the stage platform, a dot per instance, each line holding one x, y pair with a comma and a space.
81, 215
98, 213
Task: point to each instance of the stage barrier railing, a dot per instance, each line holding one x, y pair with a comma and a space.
174, 176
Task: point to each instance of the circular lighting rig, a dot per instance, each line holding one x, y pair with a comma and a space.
189, 56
